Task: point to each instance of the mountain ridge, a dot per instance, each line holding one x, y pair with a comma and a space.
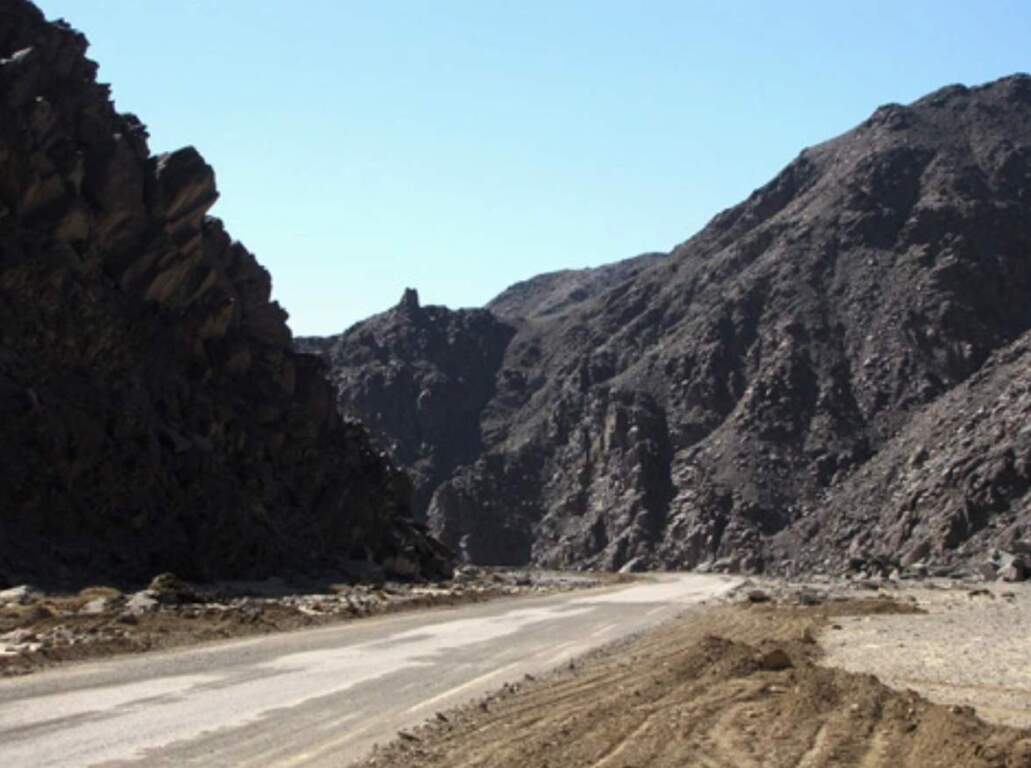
154, 415
698, 409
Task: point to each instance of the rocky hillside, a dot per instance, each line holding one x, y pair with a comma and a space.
555, 292
955, 479
420, 377
154, 415
808, 382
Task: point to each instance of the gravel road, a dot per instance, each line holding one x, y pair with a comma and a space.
319, 697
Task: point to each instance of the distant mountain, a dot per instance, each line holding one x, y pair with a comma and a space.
807, 381
419, 377
555, 292
153, 416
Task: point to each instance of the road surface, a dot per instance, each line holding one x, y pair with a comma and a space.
317, 697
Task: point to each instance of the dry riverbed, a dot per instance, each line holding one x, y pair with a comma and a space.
781, 675
39, 630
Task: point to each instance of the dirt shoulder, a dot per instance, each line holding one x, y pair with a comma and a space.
970, 646
40, 630
729, 685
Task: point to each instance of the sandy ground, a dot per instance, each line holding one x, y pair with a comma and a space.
39, 630
972, 647
747, 685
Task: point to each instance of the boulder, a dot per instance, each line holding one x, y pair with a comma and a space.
775, 660
97, 605
141, 602
21, 595
810, 597
1013, 568
169, 588
988, 570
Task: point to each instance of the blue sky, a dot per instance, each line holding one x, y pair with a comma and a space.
458, 147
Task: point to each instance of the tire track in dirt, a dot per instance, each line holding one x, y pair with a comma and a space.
723, 687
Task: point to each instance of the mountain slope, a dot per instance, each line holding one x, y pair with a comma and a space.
420, 377
724, 404
555, 292
957, 479
154, 415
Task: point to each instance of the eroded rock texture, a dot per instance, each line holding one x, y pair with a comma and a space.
153, 416
420, 377
801, 383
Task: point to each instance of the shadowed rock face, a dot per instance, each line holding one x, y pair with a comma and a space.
154, 414
747, 399
420, 377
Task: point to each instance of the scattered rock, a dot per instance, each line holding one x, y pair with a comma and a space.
775, 660
1015, 571
21, 595
97, 606
809, 597
141, 602
988, 570
150, 619
634, 565
168, 588
18, 636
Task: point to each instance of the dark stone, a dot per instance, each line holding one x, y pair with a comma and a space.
838, 366
155, 417
775, 660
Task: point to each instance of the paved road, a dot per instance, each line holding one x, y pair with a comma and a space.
317, 697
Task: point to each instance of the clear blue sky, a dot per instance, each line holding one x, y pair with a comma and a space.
458, 147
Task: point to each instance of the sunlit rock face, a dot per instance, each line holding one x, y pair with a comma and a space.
153, 415
833, 372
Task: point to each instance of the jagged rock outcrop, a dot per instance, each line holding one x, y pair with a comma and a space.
753, 400
154, 416
420, 377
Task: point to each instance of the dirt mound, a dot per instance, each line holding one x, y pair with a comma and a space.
738, 687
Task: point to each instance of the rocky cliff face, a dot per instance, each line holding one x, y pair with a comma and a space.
154, 416
955, 480
420, 377
785, 389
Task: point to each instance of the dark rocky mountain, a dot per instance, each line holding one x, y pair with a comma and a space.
420, 377
831, 372
955, 479
153, 415
555, 292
